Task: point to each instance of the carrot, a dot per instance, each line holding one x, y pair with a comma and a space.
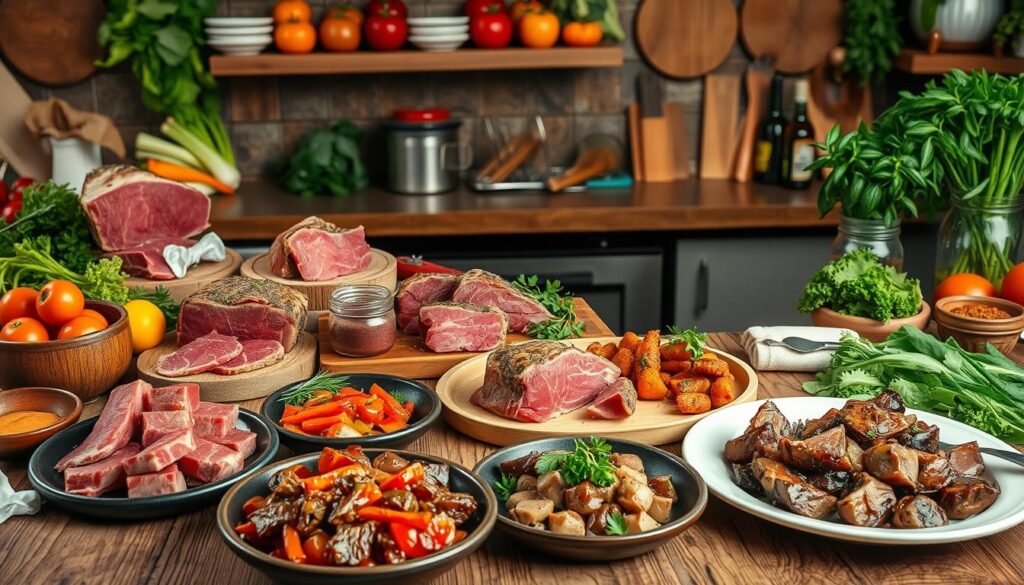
417, 520
392, 407
675, 352
683, 385
649, 385
326, 480
629, 341
410, 407
289, 410
184, 174
293, 428
328, 409
693, 403
320, 424
293, 545
675, 366
315, 548
710, 367
390, 425
624, 358
723, 391
665, 377
607, 351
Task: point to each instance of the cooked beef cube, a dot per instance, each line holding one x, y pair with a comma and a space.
355, 452
889, 400
966, 460
270, 519
834, 482
855, 455
597, 523
352, 543
894, 464
552, 486
869, 504
389, 462
628, 460
584, 498
967, 496
346, 508
385, 550
662, 486
567, 522
816, 426
459, 506
918, 512
286, 484
526, 483
920, 436
822, 452
640, 522
743, 476
312, 511
661, 509
517, 497
933, 472
634, 495
789, 490
398, 500
526, 464
761, 441
770, 414
437, 473
533, 511
868, 423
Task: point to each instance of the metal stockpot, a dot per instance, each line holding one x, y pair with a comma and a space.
424, 154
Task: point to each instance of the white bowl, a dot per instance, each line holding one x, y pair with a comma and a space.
251, 45
238, 21
433, 21
221, 31
439, 43
429, 31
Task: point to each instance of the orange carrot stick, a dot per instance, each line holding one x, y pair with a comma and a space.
178, 173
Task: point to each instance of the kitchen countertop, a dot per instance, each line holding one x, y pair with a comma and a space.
724, 546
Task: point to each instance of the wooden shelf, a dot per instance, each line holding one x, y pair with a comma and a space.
415, 61
920, 62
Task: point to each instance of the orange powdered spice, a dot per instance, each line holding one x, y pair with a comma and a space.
979, 311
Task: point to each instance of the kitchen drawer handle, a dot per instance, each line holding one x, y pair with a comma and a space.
703, 286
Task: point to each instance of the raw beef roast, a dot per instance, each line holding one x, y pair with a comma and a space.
211, 462
127, 207
168, 480
199, 355
113, 428
212, 419
256, 354
147, 259
314, 249
480, 287
173, 397
162, 453
618, 400
447, 327
418, 290
100, 477
538, 380
245, 308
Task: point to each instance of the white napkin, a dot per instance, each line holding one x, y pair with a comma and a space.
14, 503
209, 247
779, 358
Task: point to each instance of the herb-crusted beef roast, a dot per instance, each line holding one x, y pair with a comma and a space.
418, 290
447, 327
480, 287
314, 250
256, 354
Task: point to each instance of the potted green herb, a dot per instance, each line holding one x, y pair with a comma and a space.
871, 37
1011, 29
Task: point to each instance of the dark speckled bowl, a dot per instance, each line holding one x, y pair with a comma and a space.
693, 497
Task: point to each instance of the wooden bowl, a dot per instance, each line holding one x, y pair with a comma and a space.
870, 329
86, 366
971, 333
60, 402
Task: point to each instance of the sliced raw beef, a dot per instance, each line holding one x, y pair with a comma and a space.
314, 249
479, 287
418, 290
618, 400
245, 308
199, 355
100, 477
447, 327
211, 462
173, 397
147, 259
127, 206
114, 427
236, 439
162, 453
156, 425
256, 354
212, 419
538, 380
168, 480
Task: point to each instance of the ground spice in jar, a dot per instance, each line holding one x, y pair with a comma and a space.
979, 311
362, 321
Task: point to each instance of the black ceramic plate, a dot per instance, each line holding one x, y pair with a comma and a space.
116, 505
428, 409
690, 488
479, 527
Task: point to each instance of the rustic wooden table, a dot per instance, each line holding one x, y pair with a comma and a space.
725, 546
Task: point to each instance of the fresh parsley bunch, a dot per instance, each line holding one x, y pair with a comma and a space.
564, 322
585, 463
52, 211
695, 340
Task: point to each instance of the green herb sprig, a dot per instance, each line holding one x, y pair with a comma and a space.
871, 35
327, 160
694, 339
505, 487
585, 463
53, 211
616, 525
564, 323
298, 395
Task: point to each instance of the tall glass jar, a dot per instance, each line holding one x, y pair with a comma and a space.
362, 321
983, 239
874, 234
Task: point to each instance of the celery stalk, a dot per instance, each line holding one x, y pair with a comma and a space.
142, 155
202, 188
161, 149
213, 162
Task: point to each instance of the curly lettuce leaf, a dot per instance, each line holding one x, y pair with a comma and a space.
857, 284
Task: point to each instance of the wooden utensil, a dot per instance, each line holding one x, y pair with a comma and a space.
685, 38
53, 43
720, 124
758, 78
511, 156
600, 154
635, 145
798, 33
832, 102
654, 132
677, 137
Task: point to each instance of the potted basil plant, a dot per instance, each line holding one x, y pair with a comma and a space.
1010, 29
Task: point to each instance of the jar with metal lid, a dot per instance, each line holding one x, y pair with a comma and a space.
362, 321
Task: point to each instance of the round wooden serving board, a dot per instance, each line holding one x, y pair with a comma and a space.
298, 364
53, 43
686, 38
383, 270
798, 33
197, 276
654, 422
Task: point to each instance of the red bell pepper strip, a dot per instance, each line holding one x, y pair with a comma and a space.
410, 265
326, 480
320, 410
411, 475
331, 459
392, 407
253, 504
246, 529
321, 424
408, 540
417, 520
300, 470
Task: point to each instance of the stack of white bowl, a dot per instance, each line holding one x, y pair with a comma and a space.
439, 33
240, 35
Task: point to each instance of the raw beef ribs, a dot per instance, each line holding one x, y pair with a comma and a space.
479, 287
168, 480
100, 477
211, 462
314, 249
418, 290
447, 327
199, 355
147, 260
618, 400
256, 354
162, 453
538, 380
245, 308
156, 425
113, 428
212, 419
127, 207
173, 397
236, 439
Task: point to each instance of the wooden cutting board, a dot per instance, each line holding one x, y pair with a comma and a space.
197, 277
298, 364
409, 358
655, 422
685, 38
721, 124
53, 43
798, 33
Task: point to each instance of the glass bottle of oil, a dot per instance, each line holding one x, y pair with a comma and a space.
799, 151
768, 152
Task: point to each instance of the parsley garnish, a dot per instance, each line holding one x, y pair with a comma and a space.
399, 396
505, 487
298, 395
616, 525
564, 323
586, 462
694, 339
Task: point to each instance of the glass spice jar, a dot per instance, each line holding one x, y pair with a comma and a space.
362, 321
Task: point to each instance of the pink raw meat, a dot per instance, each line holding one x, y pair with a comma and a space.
256, 354
162, 453
214, 419
157, 424
113, 429
479, 287
448, 327
168, 480
616, 401
147, 259
200, 355
315, 249
236, 439
418, 290
100, 477
211, 462
173, 397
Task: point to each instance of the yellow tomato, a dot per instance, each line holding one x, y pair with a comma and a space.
147, 324
539, 30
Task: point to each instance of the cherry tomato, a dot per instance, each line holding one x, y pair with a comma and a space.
18, 187
1013, 284
95, 315
292, 11
18, 302
492, 29
3, 192
80, 325
475, 7
9, 213
389, 7
582, 34
539, 30
294, 37
339, 33
521, 7
385, 33
24, 329
965, 284
345, 10
59, 302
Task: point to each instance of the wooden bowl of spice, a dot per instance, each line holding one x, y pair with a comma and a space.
29, 416
974, 321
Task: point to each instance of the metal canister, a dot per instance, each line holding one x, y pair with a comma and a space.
424, 153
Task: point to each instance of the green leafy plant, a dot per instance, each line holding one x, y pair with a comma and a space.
564, 323
857, 284
695, 340
585, 463
326, 161
1011, 25
616, 525
505, 487
603, 11
53, 211
325, 381
872, 38
929, 11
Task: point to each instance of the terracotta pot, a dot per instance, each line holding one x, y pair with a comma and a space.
971, 333
60, 402
869, 328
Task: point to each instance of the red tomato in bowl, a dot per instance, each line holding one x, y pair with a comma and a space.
475, 7
387, 7
491, 30
18, 302
79, 326
24, 329
386, 33
59, 302
965, 283
1013, 285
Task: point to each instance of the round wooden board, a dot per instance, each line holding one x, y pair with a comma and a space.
198, 276
686, 38
653, 423
53, 43
298, 364
383, 270
798, 33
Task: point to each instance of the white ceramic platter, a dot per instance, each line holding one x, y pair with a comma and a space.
438, 21
238, 21
222, 31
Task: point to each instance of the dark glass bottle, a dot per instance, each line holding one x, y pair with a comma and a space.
768, 152
799, 151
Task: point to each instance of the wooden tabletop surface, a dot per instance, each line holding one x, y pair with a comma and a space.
725, 546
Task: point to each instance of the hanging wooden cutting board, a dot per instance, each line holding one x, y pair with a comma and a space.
53, 43
798, 33
197, 277
685, 38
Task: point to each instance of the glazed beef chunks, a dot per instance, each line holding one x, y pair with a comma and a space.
869, 503
868, 423
761, 438
918, 512
892, 463
822, 452
967, 496
791, 491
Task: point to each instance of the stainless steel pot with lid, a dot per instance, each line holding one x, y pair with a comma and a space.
424, 153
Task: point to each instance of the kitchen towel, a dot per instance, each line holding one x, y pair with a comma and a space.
56, 118
209, 248
779, 358
14, 503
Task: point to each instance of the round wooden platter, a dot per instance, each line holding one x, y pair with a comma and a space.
685, 38
197, 276
383, 270
298, 364
654, 422
798, 33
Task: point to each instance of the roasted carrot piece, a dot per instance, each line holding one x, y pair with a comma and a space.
723, 391
681, 385
711, 356
624, 358
594, 348
675, 366
649, 385
693, 403
629, 341
326, 480
390, 425
608, 350
665, 377
289, 410
674, 352
320, 424
293, 545
710, 367
315, 548
331, 408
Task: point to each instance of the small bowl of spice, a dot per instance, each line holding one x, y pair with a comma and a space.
974, 321
362, 321
29, 416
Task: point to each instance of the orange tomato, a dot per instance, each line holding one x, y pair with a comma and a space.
292, 11
539, 30
339, 33
521, 7
81, 325
95, 315
295, 37
965, 284
582, 34
1012, 288
59, 302
345, 10
18, 302
24, 329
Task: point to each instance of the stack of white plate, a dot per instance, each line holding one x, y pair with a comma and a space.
439, 33
240, 35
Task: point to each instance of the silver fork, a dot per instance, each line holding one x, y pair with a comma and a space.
801, 345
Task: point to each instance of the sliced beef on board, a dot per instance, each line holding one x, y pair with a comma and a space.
158, 424
212, 419
162, 453
146, 260
168, 480
127, 206
480, 287
236, 439
102, 476
447, 327
245, 308
199, 355
418, 290
314, 250
616, 401
174, 397
256, 354
113, 428
538, 380
211, 462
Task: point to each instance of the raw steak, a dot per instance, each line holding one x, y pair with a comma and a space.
147, 259
100, 477
447, 327
314, 249
479, 287
418, 290
538, 380
162, 453
214, 419
127, 206
245, 308
618, 400
113, 429
173, 397
236, 439
256, 354
156, 425
168, 480
211, 462
199, 355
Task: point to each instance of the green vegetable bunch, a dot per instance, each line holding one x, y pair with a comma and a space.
505, 487
603, 11
52, 211
298, 394
327, 160
585, 463
857, 284
1011, 25
564, 322
872, 38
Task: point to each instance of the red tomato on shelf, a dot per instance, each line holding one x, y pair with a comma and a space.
492, 29
1013, 285
385, 33
475, 7
389, 7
